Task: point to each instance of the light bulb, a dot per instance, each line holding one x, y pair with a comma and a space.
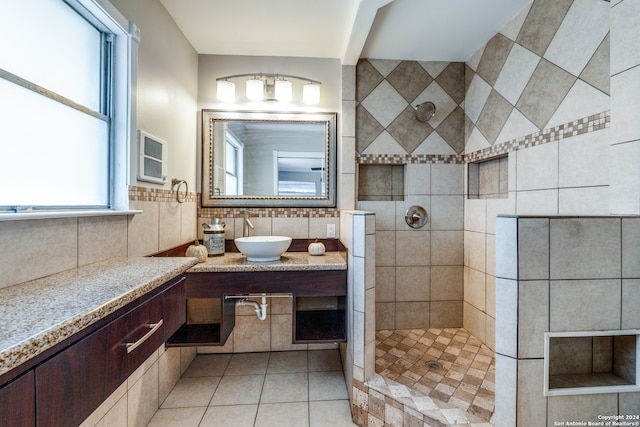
311, 94
255, 89
226, 91
284, 90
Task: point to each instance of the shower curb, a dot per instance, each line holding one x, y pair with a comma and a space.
384, 402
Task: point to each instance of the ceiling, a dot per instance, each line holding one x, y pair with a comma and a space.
422, 30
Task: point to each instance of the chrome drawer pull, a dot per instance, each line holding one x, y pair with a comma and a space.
154, 327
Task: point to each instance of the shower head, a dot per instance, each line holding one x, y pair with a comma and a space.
425, 111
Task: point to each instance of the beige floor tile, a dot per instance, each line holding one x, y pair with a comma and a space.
324, 360
283, 415
334, 413
327, 386
230, 416
183, 417
208, 365
287, 362
247, 364
189, 392
280, 388
238, 390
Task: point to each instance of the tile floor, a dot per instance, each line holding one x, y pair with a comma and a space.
463, 374
284, 389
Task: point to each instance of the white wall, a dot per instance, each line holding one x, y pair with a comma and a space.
167, 87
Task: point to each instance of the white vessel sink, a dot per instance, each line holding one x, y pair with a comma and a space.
263, 248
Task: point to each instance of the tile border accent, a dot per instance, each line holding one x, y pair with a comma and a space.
577, 127
398, 159
269, 212
151, 194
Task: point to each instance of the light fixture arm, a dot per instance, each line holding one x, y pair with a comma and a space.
272, 75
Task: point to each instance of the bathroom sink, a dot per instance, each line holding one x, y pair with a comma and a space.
263, 248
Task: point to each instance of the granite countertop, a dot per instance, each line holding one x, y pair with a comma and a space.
36, 315
290, 261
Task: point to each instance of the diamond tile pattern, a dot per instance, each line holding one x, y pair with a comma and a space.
387, 102
544, 92
367, 78
505, 88
448, 365
367, 128
451, 80
384, 103
596, 73
494, 115
409, 79
496, 53
541, 24
408, 131
536, 73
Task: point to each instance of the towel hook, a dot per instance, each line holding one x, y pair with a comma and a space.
179, 182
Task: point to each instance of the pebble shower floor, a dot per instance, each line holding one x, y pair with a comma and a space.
448, 365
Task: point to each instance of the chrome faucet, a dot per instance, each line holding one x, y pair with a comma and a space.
246, 224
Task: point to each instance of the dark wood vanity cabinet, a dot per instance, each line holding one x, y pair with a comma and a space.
18, 402
75, 381
310, 325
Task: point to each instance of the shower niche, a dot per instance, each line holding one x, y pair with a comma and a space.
591, 362
381, 182
489, 179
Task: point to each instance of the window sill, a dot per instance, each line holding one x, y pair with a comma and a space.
20, 216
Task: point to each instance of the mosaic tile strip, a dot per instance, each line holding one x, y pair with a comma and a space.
149, 194
395, 159
581, 126
588, 124
269, 212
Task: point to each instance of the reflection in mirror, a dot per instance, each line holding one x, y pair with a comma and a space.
268, 159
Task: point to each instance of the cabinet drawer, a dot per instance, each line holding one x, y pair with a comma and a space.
73, 383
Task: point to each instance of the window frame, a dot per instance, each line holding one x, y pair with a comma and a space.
118, 85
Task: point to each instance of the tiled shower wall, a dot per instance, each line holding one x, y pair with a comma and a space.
539, 93
560, 274
418, 271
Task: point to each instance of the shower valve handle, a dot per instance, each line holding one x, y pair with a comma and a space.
416, 217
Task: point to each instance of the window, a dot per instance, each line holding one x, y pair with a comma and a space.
60, 95
299, 174
234, 158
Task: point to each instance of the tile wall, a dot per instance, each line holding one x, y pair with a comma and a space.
560, 274
624, 151
359, 353
418, 271
31, 249
537, 95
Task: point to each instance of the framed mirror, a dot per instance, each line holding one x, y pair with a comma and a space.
268, 159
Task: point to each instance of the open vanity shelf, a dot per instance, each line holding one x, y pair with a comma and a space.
318, 295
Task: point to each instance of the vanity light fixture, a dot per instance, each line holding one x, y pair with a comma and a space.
268, 86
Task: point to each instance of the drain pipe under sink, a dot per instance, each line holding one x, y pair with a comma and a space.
261, 309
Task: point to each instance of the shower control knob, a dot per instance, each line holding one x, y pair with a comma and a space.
416, 217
